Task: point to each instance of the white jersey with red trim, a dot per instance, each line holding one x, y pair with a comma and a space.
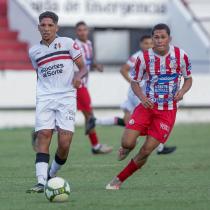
132, 100
55, 67
87, 54
163, 75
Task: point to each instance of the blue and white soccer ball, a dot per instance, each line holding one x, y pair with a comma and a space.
57, 190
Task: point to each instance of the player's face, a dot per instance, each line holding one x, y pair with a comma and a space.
161, 41
48, 29
146, 44
82, 33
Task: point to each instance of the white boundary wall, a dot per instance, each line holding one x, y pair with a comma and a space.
11, 119
107, 89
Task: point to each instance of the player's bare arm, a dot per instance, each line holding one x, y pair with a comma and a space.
186, 86
125, 72
146, 102
81, 73
98, 67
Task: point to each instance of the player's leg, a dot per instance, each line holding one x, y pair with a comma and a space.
84, 104
136, 125
42, 159
45, 123
65, 122
33, 140
127, 115
97, 148
164, 150
159, 129
136, 163
125, 106
109, 121
128, 143
64, 141
42, 155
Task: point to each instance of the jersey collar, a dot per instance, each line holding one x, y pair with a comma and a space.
41, 42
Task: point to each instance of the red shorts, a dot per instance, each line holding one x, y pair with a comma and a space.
83, 99
153, 122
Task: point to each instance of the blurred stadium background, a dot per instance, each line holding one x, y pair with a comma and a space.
116, 26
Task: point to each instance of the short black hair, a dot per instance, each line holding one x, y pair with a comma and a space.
144, 37
49, 14
80, 23
161, 26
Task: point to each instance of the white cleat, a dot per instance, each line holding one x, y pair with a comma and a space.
112, 187
114, 184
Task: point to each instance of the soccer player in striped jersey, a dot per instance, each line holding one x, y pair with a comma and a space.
54, 59
83, 96
132, 100
162, 67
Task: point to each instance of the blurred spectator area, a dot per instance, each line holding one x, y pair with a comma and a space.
200, 9
13, 52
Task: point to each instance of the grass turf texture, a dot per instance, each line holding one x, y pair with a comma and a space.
179, 181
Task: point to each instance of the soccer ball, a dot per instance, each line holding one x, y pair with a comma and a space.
57, 190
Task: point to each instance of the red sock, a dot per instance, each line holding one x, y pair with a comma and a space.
127, 171
93, 139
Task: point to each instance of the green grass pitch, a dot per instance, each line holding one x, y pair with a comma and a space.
180, 181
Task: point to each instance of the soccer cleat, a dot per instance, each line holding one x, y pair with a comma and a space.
38, 188
123, 153
114, 184
91, 123
167, 150
103, 149
33, 139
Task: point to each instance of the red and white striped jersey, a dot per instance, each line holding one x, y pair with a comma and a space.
87, 54
163, 75
132, 59
55, 67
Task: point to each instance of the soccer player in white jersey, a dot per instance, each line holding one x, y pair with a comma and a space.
83, 96
163, 66
132, 101
53, 59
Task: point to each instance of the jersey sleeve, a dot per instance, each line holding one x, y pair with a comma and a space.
74, 50
33, 62
186, 66
138, 71
131, 62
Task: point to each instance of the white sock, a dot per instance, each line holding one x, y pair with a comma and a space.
108, 121
54, 168
41, 172
97, 146
160, 147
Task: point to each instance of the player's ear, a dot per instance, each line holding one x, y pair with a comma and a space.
57, 28
170, 38
38, 27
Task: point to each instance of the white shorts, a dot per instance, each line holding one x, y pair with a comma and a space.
131, 102
53, 113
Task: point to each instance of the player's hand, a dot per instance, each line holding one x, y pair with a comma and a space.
100, 67
147, 103
76, 80
179, 95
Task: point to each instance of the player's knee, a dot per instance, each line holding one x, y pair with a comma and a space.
64, 146
46, 134
126, 143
